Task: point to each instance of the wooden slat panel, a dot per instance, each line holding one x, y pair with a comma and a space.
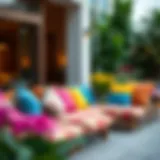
21, 16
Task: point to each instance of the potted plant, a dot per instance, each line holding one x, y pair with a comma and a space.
101, 85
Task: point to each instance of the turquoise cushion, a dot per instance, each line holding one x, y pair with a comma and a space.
119, 99
28, 103
88, 94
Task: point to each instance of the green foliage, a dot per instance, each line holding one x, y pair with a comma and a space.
32, 148
111, 38
43, 149
101, 89
121, 17
10, 148
146, 49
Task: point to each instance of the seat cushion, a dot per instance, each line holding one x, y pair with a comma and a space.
123, 100
70, 105
79, 99
28, 103
53, 101
92, 120
112, 110
88, 94
126, 113
142, 93
66, 132
122, 88
98, 122
135, 113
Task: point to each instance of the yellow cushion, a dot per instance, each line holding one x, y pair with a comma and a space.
122, 88
77, 96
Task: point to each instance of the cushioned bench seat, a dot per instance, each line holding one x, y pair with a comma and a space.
91, 120
130, 114
65, 132
76, 110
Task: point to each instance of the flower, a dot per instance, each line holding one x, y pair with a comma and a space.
101, 83
19, 123
31, 125
26, 125
101, 77
41, 125
3, 116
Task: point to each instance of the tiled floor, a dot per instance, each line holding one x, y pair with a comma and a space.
143, 144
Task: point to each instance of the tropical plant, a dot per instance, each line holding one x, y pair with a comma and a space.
146, 48
111, 38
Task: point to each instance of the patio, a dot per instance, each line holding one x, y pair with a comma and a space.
142, 144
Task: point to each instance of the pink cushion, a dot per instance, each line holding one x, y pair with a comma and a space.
70, 106
2, 95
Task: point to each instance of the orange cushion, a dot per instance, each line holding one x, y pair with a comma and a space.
142, 93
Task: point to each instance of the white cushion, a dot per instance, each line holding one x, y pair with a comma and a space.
51, 99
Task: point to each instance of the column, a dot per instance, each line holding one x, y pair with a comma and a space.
78, 46
85, 42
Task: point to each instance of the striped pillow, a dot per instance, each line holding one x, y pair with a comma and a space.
68, 101
88, 94
79, 99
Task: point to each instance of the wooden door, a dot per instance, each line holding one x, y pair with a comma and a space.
8, 52
51, 58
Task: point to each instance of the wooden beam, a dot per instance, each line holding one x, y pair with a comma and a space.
21, 16
66, 3
42, 44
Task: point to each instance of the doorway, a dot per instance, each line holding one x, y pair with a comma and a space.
17, 40
56, 43
8, 47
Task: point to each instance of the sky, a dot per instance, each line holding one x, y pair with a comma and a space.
142, 9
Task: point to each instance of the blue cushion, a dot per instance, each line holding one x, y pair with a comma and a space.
119, 99
88, 94
28, 103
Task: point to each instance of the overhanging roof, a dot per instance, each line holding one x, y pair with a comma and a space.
20, 16
65, 2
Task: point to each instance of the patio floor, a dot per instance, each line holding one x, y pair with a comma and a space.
142, 144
